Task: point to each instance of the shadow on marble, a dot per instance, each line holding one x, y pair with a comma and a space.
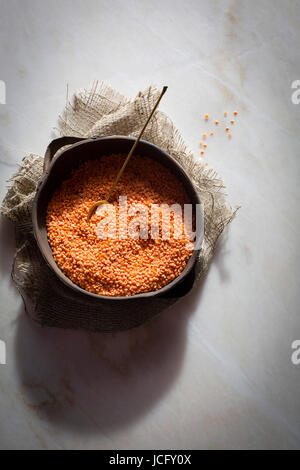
91, 382
219, 259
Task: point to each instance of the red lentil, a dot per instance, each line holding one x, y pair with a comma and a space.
116, 267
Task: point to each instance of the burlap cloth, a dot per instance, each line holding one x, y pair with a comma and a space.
97, 112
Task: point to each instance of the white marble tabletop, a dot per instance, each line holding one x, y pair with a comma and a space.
215, 371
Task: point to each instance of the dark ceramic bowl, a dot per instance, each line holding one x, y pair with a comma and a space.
58, 167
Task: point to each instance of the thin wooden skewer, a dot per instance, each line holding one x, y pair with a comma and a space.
106, 200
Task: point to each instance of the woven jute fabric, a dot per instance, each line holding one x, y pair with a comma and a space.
102, 111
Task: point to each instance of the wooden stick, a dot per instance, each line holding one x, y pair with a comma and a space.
106, 200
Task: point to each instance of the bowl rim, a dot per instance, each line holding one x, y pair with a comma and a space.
59, 273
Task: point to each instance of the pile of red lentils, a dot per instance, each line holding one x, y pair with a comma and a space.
116, 267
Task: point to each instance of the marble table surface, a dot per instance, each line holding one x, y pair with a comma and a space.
214, 371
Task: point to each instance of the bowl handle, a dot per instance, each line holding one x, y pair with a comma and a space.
56, 144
